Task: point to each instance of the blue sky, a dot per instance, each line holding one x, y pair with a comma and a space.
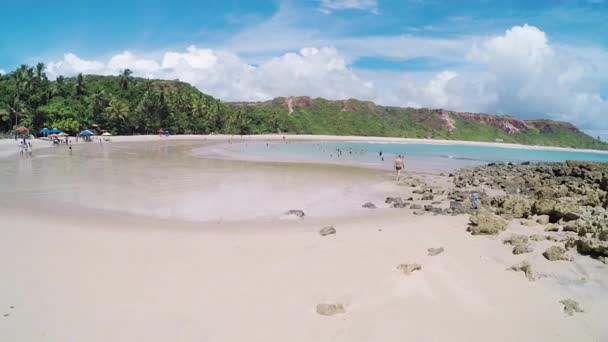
513, 57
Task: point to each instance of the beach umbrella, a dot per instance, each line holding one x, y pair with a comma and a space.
55, 130
22, 129
86, 133
53, 135
63, 134
44, 131
106, 134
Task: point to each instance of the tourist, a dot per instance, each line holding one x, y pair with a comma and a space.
399, 165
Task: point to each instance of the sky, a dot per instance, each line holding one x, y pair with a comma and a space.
528, 59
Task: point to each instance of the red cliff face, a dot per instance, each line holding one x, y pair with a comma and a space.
297, 101
546, 126
508, 125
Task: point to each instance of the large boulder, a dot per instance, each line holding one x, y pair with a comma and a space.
486, 223
543, 207
542, 219
435, 251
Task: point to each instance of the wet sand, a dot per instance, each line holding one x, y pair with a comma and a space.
74, 271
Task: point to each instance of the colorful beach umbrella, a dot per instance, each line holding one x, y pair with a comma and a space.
22, 129
107, 134
55, 130
62, 134
86, 133
44, 131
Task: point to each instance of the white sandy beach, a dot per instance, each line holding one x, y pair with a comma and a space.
84, 273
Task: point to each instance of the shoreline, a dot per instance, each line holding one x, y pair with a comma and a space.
312, 138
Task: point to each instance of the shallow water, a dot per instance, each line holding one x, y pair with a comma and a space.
419, 157
164, 180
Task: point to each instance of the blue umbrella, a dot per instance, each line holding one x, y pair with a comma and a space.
44, 131
86, 133
55, 131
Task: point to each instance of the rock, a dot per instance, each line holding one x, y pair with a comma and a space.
428, 207
396, 202
551, 228
592, 247
436, 203
528, 223
330, 309
537, 237
455, 205
516, 239
525, 267
521, 249
525, 163
419, 212
369, 205
409, 268
415, 206
435, 251
543, 207
298, 213
410, 199
542, 219
486, 223
427, 197
555, 253
571, 306
437, 211
327, 231
512, 206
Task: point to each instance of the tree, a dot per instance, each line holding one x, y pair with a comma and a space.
79, 86
125, 79
58, 88
39, 71
118, 112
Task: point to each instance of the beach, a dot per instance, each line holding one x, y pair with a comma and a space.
144, 240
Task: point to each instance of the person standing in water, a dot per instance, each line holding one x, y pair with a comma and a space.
399, 165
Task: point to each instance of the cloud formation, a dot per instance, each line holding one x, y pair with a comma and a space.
518, 72
327, 6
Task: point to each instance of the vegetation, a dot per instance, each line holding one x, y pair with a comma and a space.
124, 104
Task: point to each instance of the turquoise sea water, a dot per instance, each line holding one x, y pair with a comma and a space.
420, 157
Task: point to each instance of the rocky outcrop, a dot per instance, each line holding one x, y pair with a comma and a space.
369, 205
297, 101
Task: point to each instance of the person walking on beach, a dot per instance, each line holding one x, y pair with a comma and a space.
399, 165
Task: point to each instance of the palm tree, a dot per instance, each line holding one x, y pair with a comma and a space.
58, 88
125, 79
118, 111
79, 87
39, 70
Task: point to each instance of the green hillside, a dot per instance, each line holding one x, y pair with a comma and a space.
123, 104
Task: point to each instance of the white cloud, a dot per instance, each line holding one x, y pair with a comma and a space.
519, 72
315, 72
327, 6
2, 72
